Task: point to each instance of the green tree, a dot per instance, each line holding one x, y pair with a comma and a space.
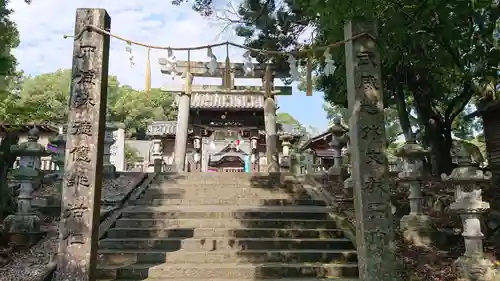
286, 118
137, 109
131, 155
44, 98
9, 39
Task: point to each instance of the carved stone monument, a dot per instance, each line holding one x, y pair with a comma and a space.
374, 230
82, 183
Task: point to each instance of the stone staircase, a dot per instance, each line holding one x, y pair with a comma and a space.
225, 226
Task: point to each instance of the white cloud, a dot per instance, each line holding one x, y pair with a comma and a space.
43, 24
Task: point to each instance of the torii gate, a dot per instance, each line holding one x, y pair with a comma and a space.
190, 69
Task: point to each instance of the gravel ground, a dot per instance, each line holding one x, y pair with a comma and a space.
29, 265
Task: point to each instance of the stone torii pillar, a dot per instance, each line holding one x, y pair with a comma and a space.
272, 154
181, 131
374, 232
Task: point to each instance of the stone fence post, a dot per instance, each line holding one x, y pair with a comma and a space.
24, 225
469, 205
58, 151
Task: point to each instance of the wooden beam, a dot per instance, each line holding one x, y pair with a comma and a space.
199, 69
237, 90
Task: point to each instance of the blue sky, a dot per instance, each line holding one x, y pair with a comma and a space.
156, 22
308, 110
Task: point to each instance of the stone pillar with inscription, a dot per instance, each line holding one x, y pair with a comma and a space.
157, 155
469, 205
376, 246
181, 131
59, 142
79, 224
415, 225
254, 156
24, 225
118, 149
272, 154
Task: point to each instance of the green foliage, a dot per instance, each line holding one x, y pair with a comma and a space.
44, 98
286, 118
131, 155
9, 39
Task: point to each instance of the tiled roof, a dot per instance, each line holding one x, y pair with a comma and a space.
167, 128
218, 157
223, 101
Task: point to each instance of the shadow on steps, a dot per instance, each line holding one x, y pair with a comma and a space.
304, 241
130, 253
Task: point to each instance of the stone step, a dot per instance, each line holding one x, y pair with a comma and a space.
124, 257
221, 232
239, 279
226, 223
231, 270
191, 192
224, 243
225, 211
219, 201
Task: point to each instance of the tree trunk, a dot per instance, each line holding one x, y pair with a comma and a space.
439, 138
7, 159
404, 119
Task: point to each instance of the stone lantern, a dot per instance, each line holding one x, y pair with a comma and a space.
339, 140
24, 225
415, 225
109, 169
197, 152
285, 162
348, 183
469, 205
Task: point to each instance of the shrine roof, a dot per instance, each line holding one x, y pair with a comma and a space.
324, 136
226, 101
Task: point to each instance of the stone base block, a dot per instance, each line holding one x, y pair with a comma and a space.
476, 268
24, 239
416, 229
109, 171
19, 223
